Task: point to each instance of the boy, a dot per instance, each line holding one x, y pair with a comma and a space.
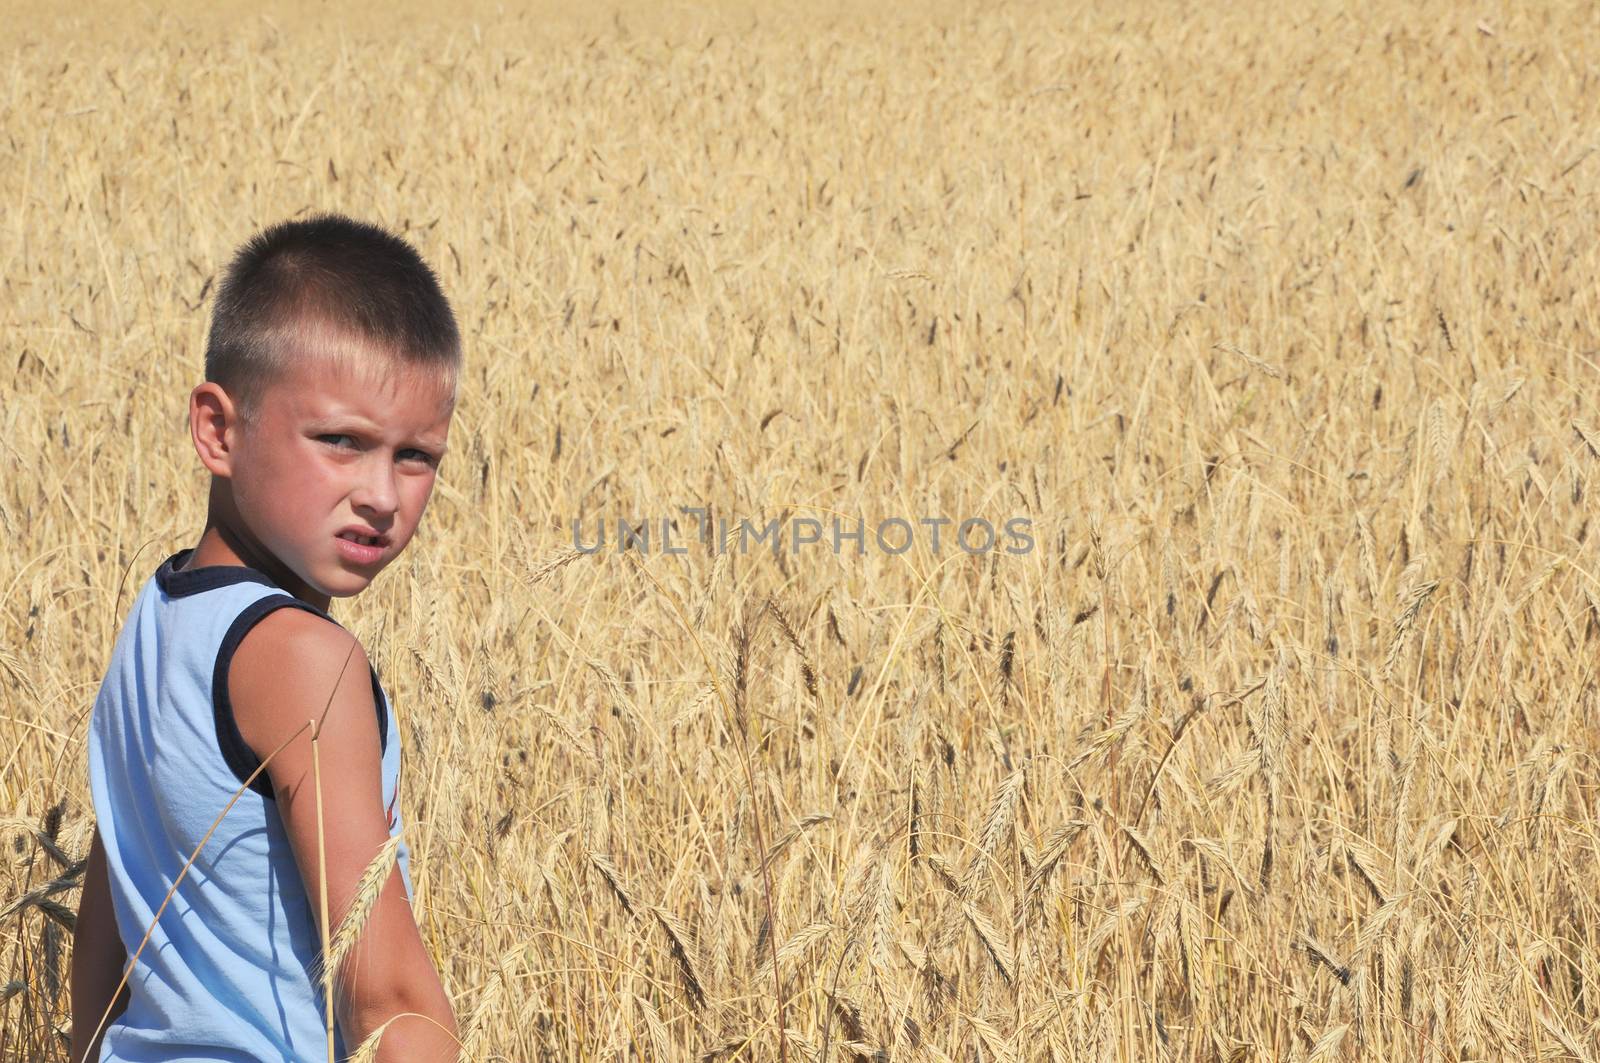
331, 374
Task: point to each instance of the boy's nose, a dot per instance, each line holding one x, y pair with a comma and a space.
377, 492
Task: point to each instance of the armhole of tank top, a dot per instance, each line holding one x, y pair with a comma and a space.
236, 753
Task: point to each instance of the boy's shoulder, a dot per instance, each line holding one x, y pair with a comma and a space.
293, 664
301, 636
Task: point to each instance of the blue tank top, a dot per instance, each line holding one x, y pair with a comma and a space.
226, 974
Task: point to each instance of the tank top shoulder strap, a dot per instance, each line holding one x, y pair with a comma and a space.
236, 599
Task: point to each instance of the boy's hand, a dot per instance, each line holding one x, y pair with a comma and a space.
281, 677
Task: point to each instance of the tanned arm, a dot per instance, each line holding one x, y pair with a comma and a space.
281, 677
98, 957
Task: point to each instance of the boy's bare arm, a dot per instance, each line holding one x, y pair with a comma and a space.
98, 957
281, 676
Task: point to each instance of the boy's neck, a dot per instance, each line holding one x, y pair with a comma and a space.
222, 545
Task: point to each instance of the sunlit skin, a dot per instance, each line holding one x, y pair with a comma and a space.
331, 448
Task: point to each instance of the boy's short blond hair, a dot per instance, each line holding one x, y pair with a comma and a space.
327, 286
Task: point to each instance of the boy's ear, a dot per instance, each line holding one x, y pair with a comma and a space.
214, 427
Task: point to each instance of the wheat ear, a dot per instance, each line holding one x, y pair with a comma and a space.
367, 890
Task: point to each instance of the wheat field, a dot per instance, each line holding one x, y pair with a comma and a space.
1277, 322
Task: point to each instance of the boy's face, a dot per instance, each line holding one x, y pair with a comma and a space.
336, 452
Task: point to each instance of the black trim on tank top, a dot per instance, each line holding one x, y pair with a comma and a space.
176, 584
235, 751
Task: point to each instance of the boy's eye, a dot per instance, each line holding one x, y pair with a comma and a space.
344, 441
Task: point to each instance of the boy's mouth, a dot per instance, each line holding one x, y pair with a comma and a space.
364, 536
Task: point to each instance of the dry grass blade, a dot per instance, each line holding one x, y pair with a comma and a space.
1537, 582
943, 871
1142, 846
542, 570
1103, 930
1590, 437
1050, 853
655, 1029
791, 950
805, 824
1569, 1044
807, 671
1410, 606
324, 919
1438, 440
1321, 954
997, 947
996, 824
1214, 850
612, 878
1327, 1045
1236, 774
483, 1010
719, 570
59, 913
1375, 928
612, 682
993, 1043
727, 1049
1118, 729
1367, 552
40, 896
1369, 862
681, 945
45, 842
883, 913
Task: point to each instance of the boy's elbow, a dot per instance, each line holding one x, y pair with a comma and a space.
370, 1008
388, 982
413, 1014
